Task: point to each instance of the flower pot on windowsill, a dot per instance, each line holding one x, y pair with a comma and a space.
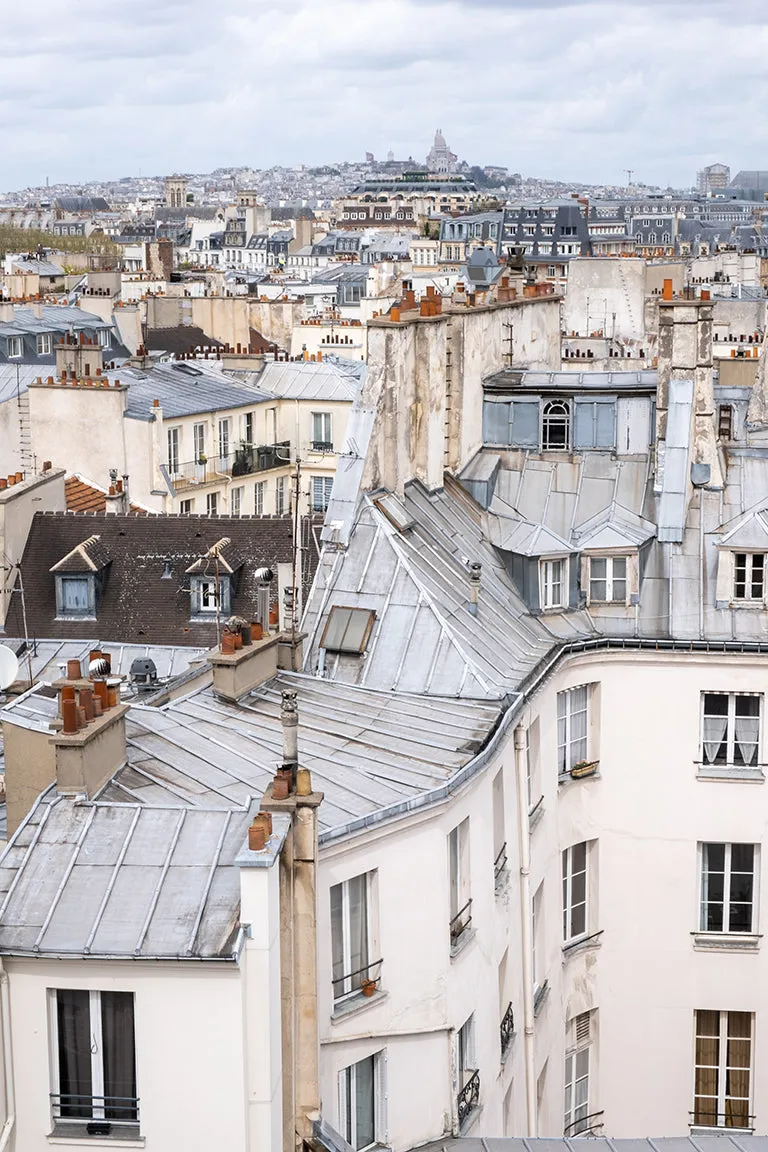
368, 987
257, 630
583, 768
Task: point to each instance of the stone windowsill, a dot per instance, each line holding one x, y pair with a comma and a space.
535, 814
726, 941
540, 996
459, 946
74, 1135
355, 1004
723, 772
581, 944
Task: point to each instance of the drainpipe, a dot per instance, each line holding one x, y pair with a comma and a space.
701, 563
10, 1095
526, 942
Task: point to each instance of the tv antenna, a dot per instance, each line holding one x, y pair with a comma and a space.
630, 173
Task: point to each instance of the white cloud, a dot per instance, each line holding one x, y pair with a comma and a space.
563, 88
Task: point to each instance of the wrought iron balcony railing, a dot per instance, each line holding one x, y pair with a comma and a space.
322, 446
78, 1106
461, 922
243, 461
736, 1117
507, 1029
469, 1097
589, 1125
500, 863
352, 983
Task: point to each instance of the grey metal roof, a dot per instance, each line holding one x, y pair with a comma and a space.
182, 392
304, 380
46, 656
52, 318
672, 506
519, 379
38, 267
723, 1141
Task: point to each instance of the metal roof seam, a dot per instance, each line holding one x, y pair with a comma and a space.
161, 880
67, 873
112, 879
211, 874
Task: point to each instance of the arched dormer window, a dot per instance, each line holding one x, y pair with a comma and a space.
556, 426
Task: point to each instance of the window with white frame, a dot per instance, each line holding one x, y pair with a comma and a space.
731, 729
351, 936
537, 936
208, 594
15, 347
94, 1056
575, 891
749, 576
728, 874
186, 507
75, 595
198, 436
248, 427
608, 579
460, 914
322, 440
236, 501
466, 1061
723, 1080
104, 337
212, 504
321, 492
533, 762
258, 497
576, 1117
556, 426
362, 1096
280, 503
174, 449
572, 727
553, 576
44, 344
224, 427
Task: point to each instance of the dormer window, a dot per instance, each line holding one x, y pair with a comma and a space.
210, 595
554, 583
75, 597
749, 576
608, 579
556, 426
79, 578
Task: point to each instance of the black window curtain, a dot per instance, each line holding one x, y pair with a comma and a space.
119, 1056
75, 1080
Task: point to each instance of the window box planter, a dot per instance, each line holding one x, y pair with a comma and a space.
584, 768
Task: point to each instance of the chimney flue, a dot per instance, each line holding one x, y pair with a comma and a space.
289, 718
475, 572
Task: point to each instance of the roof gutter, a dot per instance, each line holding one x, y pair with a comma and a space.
515, 705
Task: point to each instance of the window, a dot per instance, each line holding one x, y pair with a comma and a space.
608, 579
321, 492
731, 729
174, 441
361, 1102
75, 596
532, 761
727, 888
258, 497
44, 344
555, 426
572, 715
205, 595
466, 1062
15, 346
198, 435
749, 576
350, 936
104, 337
725, 421
458, 878
574, 891
280, 495
537, 936
322, 440
95, 1060
236, 501
185, 507
224, 437
348, 630
248, 427
722, 1092
594, 424
576, 1118
554, 584
499, 830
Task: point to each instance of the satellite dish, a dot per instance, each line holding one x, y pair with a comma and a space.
9, 667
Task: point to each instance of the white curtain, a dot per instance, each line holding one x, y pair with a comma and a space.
747, 728
714, 734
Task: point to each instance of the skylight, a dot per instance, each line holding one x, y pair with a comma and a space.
348, 630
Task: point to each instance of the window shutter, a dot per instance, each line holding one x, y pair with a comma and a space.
605, 424
724, 592
382, 1098
583, 425
581, 1029
525, 424
496, 418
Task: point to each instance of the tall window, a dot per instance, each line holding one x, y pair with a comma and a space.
44, 344
731, 729
258, 497
185, 507
576, 1120
723, 1085
15, 347
361, 1102
198, 434
321, 431
212, 504
537, 936
458, 874
280, 495
749, 576
350, 935
248, 427
555, 425
554, 583
75, 596
725, 421
224, 437
574, 891
608, 579
95, 1058
174, 443
727, 888
321, 492
236, 501
465, 1051
572, 718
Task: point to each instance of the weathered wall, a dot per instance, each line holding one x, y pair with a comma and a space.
78, 428
44, 493
607, 295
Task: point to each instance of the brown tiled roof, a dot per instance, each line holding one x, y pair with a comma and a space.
144, 589
84, 497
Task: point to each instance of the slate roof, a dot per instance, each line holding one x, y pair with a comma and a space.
182, 338
136, 604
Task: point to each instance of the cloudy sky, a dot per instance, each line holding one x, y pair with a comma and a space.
98, 89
